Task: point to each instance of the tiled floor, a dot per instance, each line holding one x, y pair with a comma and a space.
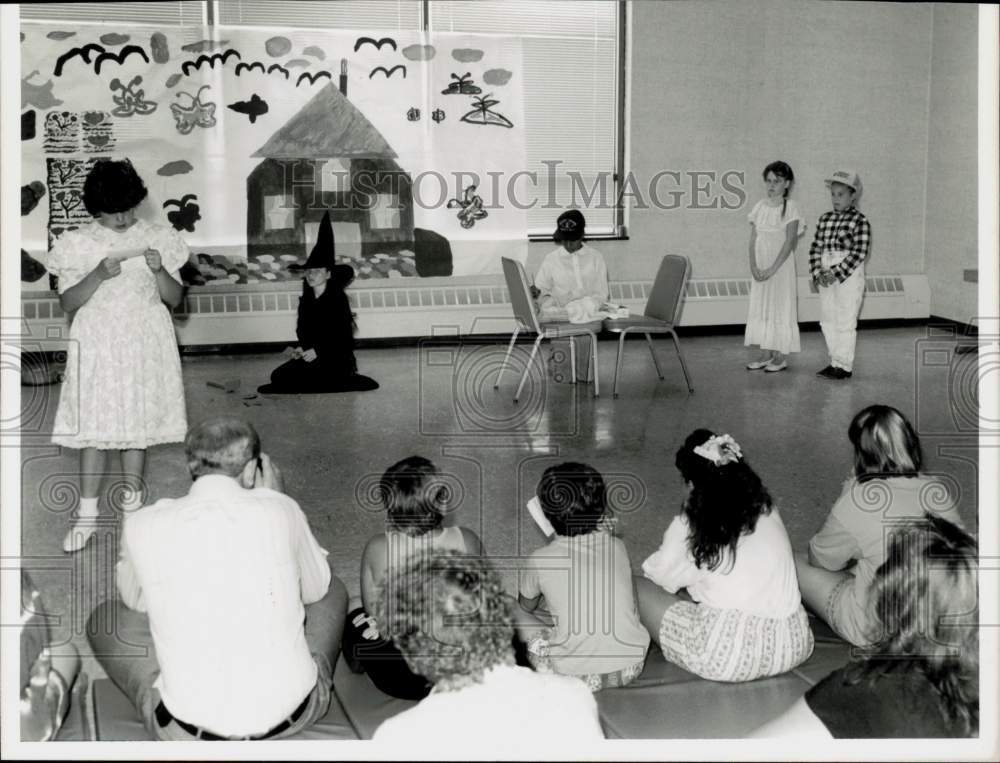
438, 400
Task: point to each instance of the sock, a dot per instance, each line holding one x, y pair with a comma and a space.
87, 508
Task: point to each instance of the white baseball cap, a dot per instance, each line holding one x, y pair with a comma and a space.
847, 177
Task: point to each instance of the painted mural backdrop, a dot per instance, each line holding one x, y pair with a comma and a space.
244, 138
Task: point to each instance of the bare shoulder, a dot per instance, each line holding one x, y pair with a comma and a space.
375, 552
473, 545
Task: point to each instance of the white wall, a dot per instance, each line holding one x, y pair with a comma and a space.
951, 211
731, 86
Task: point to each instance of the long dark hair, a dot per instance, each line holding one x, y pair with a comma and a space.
783, 171
928, 621
724, 503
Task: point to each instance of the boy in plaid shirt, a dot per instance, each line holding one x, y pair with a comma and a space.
837, 266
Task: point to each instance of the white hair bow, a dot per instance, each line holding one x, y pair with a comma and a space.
720, 449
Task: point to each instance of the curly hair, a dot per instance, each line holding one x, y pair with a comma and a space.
112, 186
723, 505
573, 498
449, 616
926, 597
414, 497
884, 444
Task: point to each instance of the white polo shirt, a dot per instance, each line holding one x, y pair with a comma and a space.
223, 574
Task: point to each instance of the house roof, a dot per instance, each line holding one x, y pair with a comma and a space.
329, 126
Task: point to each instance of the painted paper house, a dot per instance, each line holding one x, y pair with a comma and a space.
329, 157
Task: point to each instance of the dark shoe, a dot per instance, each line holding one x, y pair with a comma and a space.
840, 374
827, 373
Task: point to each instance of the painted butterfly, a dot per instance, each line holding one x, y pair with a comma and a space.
197, 114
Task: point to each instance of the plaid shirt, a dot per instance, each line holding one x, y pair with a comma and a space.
847, 231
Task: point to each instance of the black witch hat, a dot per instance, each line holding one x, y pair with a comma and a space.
322, 254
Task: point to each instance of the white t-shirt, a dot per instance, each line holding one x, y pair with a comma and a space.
223, 574
587, 584
761, 582
512, 706
564, 277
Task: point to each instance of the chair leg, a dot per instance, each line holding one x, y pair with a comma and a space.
572, 359
649, 341
503, 365
618, 362
527, 368
680, 356
593, 351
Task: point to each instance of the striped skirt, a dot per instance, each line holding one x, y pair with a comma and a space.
730, 645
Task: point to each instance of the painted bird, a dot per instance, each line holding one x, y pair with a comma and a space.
252, 108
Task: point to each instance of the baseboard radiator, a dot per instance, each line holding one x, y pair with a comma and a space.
239, 315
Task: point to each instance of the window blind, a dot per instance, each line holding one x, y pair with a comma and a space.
177, 13
342, 14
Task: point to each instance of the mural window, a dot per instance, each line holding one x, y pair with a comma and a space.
384, 212
279, 212
335, 176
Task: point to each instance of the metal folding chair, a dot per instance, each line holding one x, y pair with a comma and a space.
662, 311
527, 321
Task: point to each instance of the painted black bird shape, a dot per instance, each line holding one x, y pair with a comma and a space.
253, 108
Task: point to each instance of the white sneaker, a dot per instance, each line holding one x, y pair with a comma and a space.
80, 533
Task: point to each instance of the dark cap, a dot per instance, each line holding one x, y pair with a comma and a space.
570, 226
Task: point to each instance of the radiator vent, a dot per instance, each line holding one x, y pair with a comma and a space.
43, 306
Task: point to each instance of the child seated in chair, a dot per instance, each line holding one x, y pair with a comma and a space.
572, 284
589, 626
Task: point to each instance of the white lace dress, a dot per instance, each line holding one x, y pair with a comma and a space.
123, 386
772, 320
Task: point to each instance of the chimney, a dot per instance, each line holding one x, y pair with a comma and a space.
343, 77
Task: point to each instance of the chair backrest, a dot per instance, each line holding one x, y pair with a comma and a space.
520, 294
667, 294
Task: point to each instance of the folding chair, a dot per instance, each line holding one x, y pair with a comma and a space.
526, 318
662, 310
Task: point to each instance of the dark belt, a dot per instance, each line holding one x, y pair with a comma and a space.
164, 716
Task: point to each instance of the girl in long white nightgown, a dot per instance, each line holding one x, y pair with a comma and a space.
772, 320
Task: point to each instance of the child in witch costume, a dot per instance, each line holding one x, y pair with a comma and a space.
324, 360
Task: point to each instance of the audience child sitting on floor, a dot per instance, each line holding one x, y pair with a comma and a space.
578, 613
920, 679
887, 488
729, 549
416, 502
449, 616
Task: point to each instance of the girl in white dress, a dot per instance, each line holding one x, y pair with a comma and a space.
776, 224
123, 389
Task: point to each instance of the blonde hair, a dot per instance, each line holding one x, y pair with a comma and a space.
884, 444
